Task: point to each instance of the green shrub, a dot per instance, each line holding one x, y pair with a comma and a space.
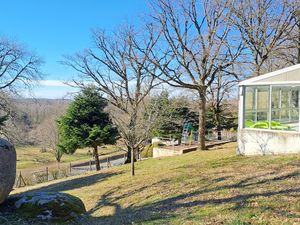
54, 174
147, 151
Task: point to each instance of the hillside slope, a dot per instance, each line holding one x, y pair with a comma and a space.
203, 187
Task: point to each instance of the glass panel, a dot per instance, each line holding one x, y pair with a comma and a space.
295, 98
275, 98
285, 108
262, 98
256, 107
250, 114
284, 97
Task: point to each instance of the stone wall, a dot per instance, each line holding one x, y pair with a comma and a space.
161, 152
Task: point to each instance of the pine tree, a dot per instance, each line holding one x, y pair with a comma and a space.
86, 124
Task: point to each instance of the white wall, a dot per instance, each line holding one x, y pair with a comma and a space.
261, 142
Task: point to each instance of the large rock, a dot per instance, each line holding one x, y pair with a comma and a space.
51, 206
7, 168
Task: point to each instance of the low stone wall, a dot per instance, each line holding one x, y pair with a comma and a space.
263, 142
179, 150
161, 152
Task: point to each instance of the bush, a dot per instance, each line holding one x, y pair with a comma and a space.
148, 150
40, 177
55, 174
64, 172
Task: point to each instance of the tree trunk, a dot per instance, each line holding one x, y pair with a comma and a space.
96, 156
202, 112
132, 127
218, 123
132, 161
219, 135
298, 58
128, 160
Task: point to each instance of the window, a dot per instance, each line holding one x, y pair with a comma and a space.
257, 107
282, 114
285, 108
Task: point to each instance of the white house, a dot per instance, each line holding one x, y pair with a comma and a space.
269, 113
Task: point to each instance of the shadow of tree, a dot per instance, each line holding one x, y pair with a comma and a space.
7, 209
75, 183
157, 211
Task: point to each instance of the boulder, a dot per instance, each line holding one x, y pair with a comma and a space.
50, 206
8, 160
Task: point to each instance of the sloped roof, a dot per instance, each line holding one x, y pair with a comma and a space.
289, 75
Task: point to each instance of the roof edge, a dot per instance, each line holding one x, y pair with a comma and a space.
268, 75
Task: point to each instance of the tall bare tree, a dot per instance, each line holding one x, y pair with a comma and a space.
18, 69
120, 68
199, 46
264, 26
47, 133
290, 53
219, 92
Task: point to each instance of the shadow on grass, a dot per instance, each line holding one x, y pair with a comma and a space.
162, 211
7, 209
74, 183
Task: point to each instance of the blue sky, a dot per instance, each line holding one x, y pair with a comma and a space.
53, 28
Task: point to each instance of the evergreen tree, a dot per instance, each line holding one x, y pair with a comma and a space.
86, 124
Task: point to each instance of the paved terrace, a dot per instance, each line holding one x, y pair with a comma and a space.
182, 149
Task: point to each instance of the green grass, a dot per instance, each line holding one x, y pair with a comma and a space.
202, 187
30, 158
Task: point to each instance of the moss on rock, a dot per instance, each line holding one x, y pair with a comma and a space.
53, 206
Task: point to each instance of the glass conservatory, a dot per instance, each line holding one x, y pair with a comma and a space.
269, 113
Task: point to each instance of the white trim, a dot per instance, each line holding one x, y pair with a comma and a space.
290, 83
268, 75
270, 130
241, 109
270, 107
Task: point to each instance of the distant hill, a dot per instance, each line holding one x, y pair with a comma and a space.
29, 114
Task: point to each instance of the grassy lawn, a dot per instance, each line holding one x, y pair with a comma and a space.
30, 158
202, 187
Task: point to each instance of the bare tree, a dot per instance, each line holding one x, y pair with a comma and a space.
219, 92
199, 46
18, 67
290, 52
47, 133
119, 66
6, 107
264, 26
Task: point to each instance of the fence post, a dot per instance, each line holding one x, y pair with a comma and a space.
90, 164
70, 168
47, 174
